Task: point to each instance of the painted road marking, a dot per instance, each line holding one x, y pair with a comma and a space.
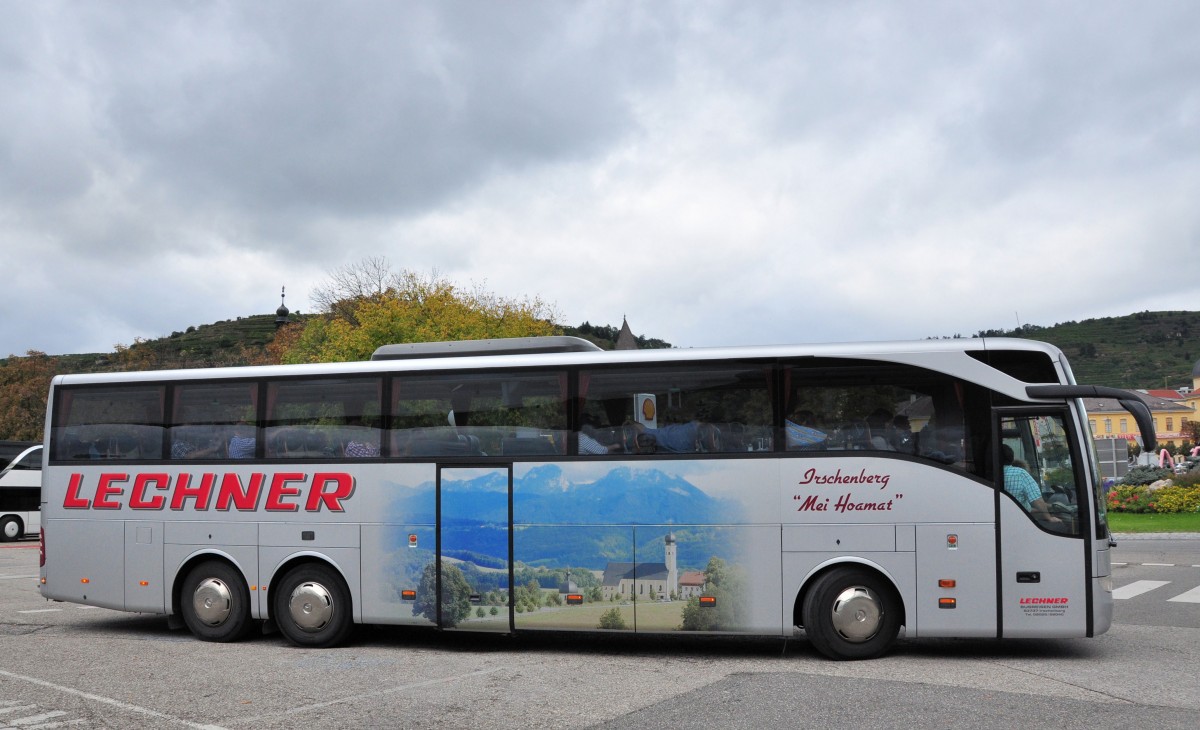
38, 721
1137, 588
1192, 596
107, 701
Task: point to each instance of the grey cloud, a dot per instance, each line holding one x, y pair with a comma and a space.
371, 108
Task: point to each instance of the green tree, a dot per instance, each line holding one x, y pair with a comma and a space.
378, 307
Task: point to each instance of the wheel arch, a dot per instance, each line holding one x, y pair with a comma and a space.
189, 563
294, 561
850, 561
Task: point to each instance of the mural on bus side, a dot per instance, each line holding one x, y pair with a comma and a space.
595, 546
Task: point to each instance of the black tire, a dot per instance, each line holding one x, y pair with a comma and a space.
851, 613
312, 606
11, 529
215, 602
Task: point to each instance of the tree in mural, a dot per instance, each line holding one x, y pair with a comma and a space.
456, 595
727, 585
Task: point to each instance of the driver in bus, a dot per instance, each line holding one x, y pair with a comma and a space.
1024, 488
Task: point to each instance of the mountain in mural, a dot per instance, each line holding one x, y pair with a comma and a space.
623, 495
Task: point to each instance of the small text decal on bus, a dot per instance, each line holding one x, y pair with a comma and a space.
282, 492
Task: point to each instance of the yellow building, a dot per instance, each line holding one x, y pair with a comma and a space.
1109, 420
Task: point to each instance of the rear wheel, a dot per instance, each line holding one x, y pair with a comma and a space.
851, 613
215, 602
10, 528
312, 606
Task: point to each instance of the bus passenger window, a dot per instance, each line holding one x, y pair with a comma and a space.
329, 418
117, 423
511, 414
675, 410
213, 421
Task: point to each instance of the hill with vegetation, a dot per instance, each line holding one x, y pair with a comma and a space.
1143, 350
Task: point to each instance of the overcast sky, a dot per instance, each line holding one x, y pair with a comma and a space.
718, 172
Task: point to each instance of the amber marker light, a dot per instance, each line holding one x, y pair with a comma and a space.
708, 601
143, 583
947, 603
574, 599
85, 580
947, 583
408, 595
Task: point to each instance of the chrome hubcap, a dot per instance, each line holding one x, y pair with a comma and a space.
212, 601
310, 606
857, 614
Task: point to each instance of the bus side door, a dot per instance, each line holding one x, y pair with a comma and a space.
1042, 514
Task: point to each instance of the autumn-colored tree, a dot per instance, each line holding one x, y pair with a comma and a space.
24, 386
410, 307
277, 349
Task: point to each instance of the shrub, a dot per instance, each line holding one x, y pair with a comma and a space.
1177, 499
1126, 498
612, 619
1142, 475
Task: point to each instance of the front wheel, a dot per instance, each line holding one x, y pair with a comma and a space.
312, 606
851, 613
10, 529
215, 602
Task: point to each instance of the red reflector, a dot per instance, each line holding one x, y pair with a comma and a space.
947, 603
408, 595
574, 599
412, 541
947, 583
708, 601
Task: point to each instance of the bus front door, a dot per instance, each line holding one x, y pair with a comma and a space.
1043, 549
474, 548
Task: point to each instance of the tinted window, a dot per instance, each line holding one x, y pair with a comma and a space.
323, 419
109, 423
683, 409
213, 421
463, 414
851, 406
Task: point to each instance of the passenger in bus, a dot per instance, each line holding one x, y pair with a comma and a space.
361, 441
242, 442
683, 438
878, 423
1024, 488
801, 431
360, 449
590, 440
185, 449
899, 434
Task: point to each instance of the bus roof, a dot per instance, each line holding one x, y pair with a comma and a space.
450, 358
